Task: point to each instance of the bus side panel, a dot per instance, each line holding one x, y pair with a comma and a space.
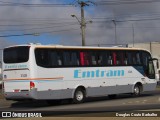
61, 85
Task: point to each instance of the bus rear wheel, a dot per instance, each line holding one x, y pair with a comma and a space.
79, 96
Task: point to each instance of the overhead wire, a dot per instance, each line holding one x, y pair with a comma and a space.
38, 28
125, 2
32, 34
4, 3
33, 24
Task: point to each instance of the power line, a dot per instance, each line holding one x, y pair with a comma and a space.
27, 24
70, 20
50, 27
110, 19
34, 5
125, 2
34, 19
31, 34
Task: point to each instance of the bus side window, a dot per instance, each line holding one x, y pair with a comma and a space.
110, 59
138, 58
130, 59
125, 59
114, 58
94, 58
82, 58
70, 58
120, 58
85, 58
66, 58
74, 58
59, 61
135, 56
53, 58
100, 59
43, 57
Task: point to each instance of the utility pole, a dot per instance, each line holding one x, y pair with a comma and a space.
133, 33
114, 22
82, 22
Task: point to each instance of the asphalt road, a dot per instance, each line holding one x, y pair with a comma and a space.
147, 101
93, 106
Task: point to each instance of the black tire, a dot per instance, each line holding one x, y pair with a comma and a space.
79, 96
137, 90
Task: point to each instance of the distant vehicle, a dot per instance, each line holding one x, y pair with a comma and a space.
57, 72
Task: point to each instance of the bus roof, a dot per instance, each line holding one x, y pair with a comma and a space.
79, 47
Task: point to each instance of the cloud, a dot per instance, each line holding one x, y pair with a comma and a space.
144, 31
101, 31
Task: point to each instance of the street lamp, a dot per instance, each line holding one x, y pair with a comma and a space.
82, 23
83, 26
76, 18
114, 22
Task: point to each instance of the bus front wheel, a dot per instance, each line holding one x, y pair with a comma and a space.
79, 96
137, 90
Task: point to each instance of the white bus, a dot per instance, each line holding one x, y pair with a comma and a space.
55, 72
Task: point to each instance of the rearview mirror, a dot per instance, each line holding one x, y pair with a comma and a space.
157, 63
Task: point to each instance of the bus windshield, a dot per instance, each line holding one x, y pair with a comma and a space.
16, 54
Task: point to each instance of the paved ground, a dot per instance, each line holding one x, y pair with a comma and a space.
149, 101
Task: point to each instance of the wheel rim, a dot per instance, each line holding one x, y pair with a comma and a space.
79, 95
136, 90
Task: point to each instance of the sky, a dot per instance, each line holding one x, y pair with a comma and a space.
136, 20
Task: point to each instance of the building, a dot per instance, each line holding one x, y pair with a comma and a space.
153, 47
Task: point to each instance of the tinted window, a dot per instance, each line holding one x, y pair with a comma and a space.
101, 58
133, 58
48, 58
118, 58
148, 65
70, 58
88, 58
85, 58
16, 54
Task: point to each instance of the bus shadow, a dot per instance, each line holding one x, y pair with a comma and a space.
43, 103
